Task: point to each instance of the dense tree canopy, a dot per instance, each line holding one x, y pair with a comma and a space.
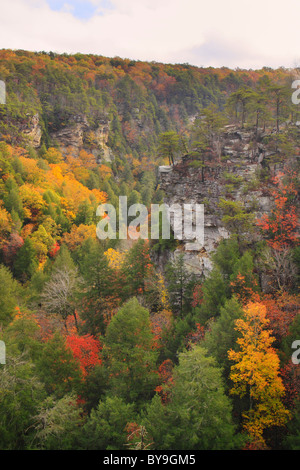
117, 343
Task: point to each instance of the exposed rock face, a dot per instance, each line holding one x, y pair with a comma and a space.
69, 137
101, 139
230, 179
186, 188
77, 135
34, 131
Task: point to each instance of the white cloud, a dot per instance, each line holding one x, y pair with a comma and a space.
232, 33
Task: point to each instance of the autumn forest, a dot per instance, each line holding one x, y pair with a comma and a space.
120, 344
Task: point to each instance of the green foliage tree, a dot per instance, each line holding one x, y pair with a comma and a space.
129, 353
98, 292
157, 420
243, 272
199, 413
105, 427
85, 214
226, 256
168, 145
199, 152
215, 293
222, 335
259, 109
136, 268
180, 283
21, 392
206, 137
292, 438
26, 262
21, 336
10, 291
236, 219
240, 101
95, 386
12, 200
281, 94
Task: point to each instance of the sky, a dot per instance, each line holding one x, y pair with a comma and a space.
247, 34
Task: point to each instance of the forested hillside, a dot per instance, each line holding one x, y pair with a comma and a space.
117, 344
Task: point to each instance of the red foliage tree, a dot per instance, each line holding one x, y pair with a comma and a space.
165, 372
290, 375
86, 350
281, 311
195, 336
54, 250
197, 296
281, 227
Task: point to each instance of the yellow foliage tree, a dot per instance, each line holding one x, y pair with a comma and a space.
164, 297
42, 242
5, 224
34, 175
256, 374
32, 201
53, 155
115, 258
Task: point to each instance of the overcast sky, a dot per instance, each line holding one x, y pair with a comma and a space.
233, 33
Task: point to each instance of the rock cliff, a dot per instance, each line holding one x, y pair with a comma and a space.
33, 131
76, 135
235, 177
79, 135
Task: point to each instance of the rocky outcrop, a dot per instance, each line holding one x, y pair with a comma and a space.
69, 137
33, 132
232, 178
101, 150
79, 135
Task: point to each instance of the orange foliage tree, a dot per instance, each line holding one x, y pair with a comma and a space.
78, 235
243, 290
